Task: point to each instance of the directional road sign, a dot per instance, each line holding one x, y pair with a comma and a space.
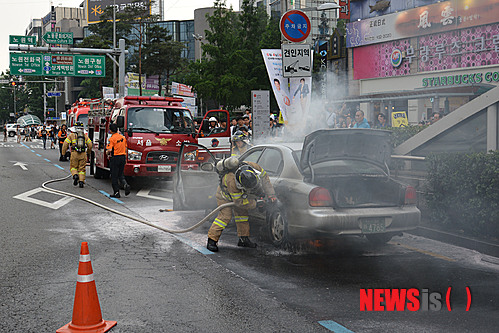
25, 64
58, 37
295, 25
57, 64
90, 65
24, 40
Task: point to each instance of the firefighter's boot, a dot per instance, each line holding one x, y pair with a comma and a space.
244, 241
212, 245
75, 180
81, 184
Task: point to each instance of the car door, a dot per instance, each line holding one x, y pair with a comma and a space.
195, 180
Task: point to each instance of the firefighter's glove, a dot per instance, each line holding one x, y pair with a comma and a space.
272, 199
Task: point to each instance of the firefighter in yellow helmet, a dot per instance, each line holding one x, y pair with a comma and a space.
241, 183
81, 147
239, 145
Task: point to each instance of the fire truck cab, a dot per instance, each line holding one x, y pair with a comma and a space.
79, 111
154, 128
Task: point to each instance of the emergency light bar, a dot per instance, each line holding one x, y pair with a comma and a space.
154, 98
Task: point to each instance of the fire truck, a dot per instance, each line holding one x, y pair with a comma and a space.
155, 127
79, 111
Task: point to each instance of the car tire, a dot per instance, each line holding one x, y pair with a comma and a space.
278, 228
379, 239
11, 134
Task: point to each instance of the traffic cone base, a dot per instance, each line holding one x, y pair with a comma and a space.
102, 327
87, 317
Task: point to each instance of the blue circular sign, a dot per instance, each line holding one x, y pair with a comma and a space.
295, 26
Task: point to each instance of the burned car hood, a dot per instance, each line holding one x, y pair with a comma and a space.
339, 144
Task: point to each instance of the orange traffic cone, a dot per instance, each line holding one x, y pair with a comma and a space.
87, 317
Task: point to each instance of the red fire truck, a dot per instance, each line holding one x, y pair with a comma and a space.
79, 111
155, 127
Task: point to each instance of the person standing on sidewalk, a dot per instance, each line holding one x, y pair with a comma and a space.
116, 149
4, 133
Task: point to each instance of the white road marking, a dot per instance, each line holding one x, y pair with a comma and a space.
145, 193
54, 205
22, 165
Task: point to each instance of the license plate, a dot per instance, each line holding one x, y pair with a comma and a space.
164, 168
373, 226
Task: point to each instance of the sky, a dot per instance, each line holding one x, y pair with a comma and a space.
17, 15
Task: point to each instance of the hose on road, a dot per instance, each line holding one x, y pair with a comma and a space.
206, 218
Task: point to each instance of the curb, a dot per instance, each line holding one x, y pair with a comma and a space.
484, 247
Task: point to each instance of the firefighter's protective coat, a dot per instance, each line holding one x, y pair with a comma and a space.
78, 160
230, 191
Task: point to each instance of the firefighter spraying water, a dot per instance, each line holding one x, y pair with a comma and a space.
242, 183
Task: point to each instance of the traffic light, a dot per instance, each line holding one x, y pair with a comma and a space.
13, 83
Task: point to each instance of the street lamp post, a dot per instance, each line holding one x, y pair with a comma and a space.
198, 38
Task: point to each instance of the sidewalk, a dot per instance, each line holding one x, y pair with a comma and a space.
488, 247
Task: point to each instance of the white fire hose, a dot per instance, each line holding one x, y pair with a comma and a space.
206, 218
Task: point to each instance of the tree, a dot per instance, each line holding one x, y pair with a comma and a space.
233, 64
162, 55
93, 86
135, 19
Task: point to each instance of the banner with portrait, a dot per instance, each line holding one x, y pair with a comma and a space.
293, 94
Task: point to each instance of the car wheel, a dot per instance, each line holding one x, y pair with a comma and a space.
379, 239
278, 228
11, 134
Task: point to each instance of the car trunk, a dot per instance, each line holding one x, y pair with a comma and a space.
362, 191
352, 165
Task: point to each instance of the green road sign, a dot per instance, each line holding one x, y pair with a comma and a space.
58, 37
57, 64
25, 64
24, 40
90, 65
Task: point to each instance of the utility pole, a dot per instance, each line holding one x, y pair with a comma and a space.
44, 102
114, 47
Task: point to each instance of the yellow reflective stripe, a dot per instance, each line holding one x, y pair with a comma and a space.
67, 140
241, 218
245, 201
218, 220
81, 172
72, 169
220, 223
263, 173
236, 195
89, 141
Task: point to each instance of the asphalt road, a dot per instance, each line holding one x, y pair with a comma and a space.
152, 281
